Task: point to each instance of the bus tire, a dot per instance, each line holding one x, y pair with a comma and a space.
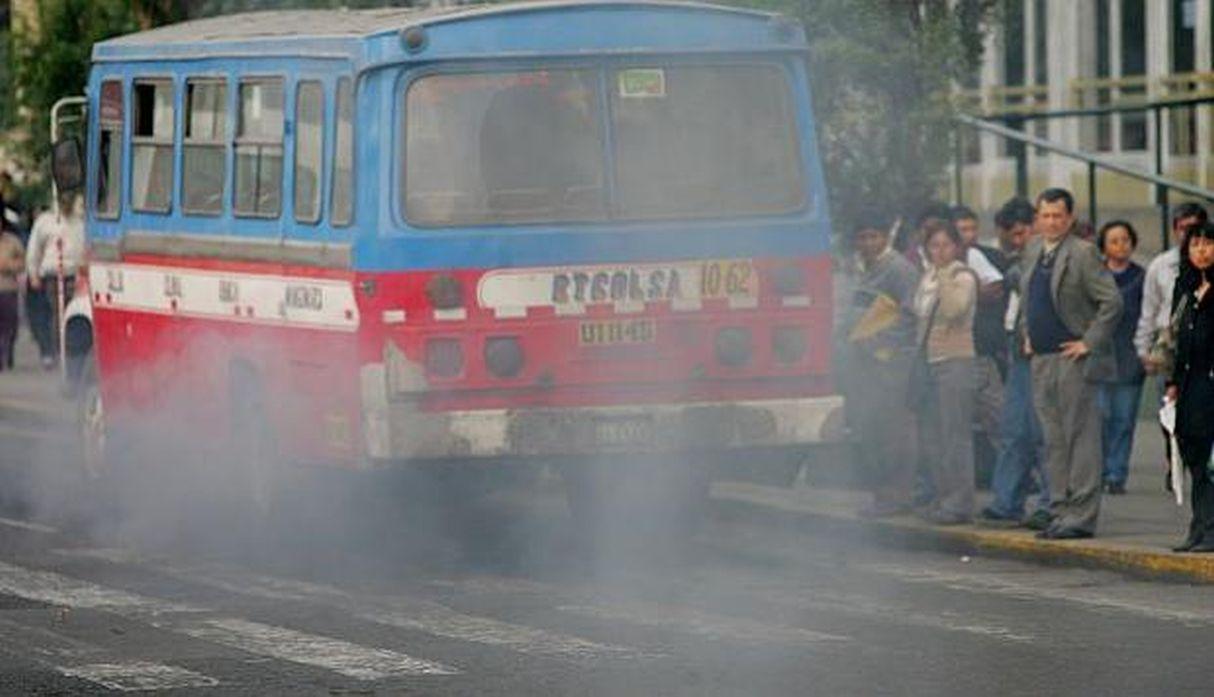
95, 439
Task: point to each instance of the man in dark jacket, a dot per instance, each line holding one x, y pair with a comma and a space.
1071, 307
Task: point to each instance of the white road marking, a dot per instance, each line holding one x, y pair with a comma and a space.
679, 618
404, 613
978, 583
340, 656
28, 525
351, 660
139, 676
857, 605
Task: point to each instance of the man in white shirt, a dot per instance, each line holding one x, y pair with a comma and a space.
1157, 286
56, 242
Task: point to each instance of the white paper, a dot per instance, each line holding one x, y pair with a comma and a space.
1167, 419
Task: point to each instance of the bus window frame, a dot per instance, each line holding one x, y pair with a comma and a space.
226, 141
324, 163
603, 65
120, 148
134, 141
351, 213
238, 140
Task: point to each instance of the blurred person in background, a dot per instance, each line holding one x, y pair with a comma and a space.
1120, 393
56, 241
945, 303
990, 345
1020, 455
1071, 307
12, 264
1153, 339
1191, 384
880, 335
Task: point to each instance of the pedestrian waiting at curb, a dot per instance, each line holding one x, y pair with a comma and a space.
880, 338
1153, 339
1120, 394
945, 303
12, 263
1071, 307
1191, 385
1019, 465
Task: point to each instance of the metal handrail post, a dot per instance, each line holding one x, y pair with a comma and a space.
1161, 193
1092, 212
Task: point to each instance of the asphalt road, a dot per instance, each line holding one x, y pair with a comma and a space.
364, 589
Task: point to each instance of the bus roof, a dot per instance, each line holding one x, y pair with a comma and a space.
359, 35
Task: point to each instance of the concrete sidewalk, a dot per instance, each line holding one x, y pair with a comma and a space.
1135, 534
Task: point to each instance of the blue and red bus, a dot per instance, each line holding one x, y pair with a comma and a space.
453, 235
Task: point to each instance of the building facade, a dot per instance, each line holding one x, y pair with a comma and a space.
1068, 54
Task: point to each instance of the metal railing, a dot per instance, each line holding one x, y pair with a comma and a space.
1163, 184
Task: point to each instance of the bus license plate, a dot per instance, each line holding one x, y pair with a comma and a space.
617, 332
621, 432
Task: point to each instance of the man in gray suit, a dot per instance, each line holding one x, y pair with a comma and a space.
1071, 306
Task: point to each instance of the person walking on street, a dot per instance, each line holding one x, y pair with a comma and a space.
56, 241
1119, 395
1020, 455
1191, 384
945, 303
880, 335
1071, 308
12, 263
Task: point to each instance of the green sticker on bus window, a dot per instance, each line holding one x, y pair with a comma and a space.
643, 83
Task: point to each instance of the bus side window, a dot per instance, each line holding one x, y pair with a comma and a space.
204, 162
309, 149
342, 201
108, 179
259, 135
152, 147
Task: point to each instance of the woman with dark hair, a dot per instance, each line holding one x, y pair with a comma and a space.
1192, 382
945, 303
1120, 392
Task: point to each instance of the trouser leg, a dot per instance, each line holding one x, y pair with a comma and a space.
1119, 423
954, 464
1077, 401
38, 312
1195, 453
8, 327
1049, 415
1009, 482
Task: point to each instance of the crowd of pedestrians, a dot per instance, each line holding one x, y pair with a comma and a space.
1026, 360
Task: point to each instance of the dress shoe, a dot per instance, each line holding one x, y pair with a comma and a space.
992, 517
1067, 534
1187, 545
1040, 519
939, 517
1202, 547
1115, 488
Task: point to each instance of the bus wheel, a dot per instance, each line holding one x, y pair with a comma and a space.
254, 448
90, 420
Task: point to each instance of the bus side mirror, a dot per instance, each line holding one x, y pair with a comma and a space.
67, 166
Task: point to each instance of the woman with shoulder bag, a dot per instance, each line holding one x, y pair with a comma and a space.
1192, 383
945, 302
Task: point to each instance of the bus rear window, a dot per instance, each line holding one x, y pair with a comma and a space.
704, 141
504, 147
690, 142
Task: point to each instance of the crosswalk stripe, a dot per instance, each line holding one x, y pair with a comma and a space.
28, 525
351, 660
340, 656
138, 676
712, 626
403, 613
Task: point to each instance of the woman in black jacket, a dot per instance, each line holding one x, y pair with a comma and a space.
1192, 384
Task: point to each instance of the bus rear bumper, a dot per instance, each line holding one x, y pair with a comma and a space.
397, 431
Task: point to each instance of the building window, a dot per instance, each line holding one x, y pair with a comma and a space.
108, 179
309, 150
1013, 67
1133, 64
1183, 120
204, 163
1041, 69
152, 147
342, 203
1104, 70
259, 135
